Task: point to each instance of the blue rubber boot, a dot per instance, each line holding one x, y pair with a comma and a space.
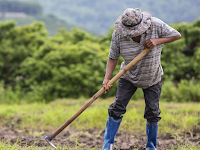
110, 132
151, 131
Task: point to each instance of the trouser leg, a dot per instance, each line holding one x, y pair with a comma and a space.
152, 112
125, 91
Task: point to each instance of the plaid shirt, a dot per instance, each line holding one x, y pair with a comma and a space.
148, 70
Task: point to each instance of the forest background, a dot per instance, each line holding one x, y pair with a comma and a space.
40, 61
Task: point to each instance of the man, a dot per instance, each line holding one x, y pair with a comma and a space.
134, 31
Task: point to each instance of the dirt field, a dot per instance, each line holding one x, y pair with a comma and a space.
92, 138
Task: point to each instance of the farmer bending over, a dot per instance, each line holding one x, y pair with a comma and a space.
134, 31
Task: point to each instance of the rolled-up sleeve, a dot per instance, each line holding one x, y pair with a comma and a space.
115, 47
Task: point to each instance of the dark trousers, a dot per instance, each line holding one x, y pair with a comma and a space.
126, 90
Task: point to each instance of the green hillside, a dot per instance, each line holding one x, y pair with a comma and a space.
27, 12
51, 22
99, 16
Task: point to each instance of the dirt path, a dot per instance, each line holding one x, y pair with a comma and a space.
91, 139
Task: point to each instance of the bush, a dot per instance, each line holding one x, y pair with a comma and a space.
74, 64
185, 91
16, 95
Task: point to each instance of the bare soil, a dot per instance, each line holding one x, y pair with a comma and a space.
92, 138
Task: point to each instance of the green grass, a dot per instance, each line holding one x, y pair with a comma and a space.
7, 146
176, 117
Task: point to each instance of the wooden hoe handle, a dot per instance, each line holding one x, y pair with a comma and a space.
99, 93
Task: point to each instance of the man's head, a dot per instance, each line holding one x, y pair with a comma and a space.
133, 22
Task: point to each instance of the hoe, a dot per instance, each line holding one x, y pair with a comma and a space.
94, 97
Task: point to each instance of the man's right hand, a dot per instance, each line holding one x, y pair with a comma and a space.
104, 85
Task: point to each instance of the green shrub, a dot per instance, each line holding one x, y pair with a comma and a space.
74, 64
185, 91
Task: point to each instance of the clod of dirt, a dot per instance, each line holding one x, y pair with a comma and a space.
125, 146
171, 136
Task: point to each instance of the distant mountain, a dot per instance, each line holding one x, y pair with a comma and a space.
51, 22
97, 16
28, 12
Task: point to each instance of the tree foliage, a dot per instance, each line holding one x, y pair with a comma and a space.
180, 58
73, 64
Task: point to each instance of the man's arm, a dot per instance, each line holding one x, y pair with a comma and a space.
153, 42
110, 67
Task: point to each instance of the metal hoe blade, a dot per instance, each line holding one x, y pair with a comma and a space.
48, 139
